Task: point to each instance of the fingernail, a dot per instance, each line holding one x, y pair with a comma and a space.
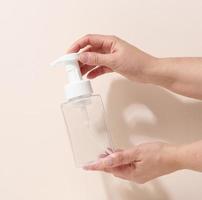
83, 57
90, 165
85, 167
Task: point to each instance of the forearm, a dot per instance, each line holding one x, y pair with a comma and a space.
180, 75
190, 156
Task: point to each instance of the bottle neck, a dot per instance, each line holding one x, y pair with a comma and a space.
79, 98
78, 89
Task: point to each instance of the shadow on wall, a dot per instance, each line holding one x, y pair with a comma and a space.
124, 190
138, 113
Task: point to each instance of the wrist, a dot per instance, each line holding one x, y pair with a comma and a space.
190, 156
171, 158
151, 69
184, 157
158, 72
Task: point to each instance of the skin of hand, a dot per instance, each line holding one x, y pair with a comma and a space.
147, 161
141, 163
103, 54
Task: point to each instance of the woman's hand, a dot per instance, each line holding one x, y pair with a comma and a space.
103, 54
141, 163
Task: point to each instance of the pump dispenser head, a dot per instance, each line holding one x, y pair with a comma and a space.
77, 86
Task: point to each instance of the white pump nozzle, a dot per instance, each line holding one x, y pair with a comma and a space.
77, 86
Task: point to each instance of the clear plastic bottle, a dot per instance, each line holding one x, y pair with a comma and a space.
84, 116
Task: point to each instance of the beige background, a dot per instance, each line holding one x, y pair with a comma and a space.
35, 155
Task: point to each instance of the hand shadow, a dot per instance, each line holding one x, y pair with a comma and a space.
124, 190
137, 113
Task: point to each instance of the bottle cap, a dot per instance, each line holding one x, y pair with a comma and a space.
77, 86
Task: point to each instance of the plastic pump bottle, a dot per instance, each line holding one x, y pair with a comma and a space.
84, 115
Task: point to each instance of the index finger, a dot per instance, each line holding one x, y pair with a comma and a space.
96, 41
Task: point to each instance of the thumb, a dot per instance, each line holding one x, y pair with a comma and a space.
114, 160
93, 58
120, 158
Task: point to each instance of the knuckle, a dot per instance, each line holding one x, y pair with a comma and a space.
88, 35
115, 40
95, 59
114, 37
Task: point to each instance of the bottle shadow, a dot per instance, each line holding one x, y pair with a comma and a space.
138, 113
